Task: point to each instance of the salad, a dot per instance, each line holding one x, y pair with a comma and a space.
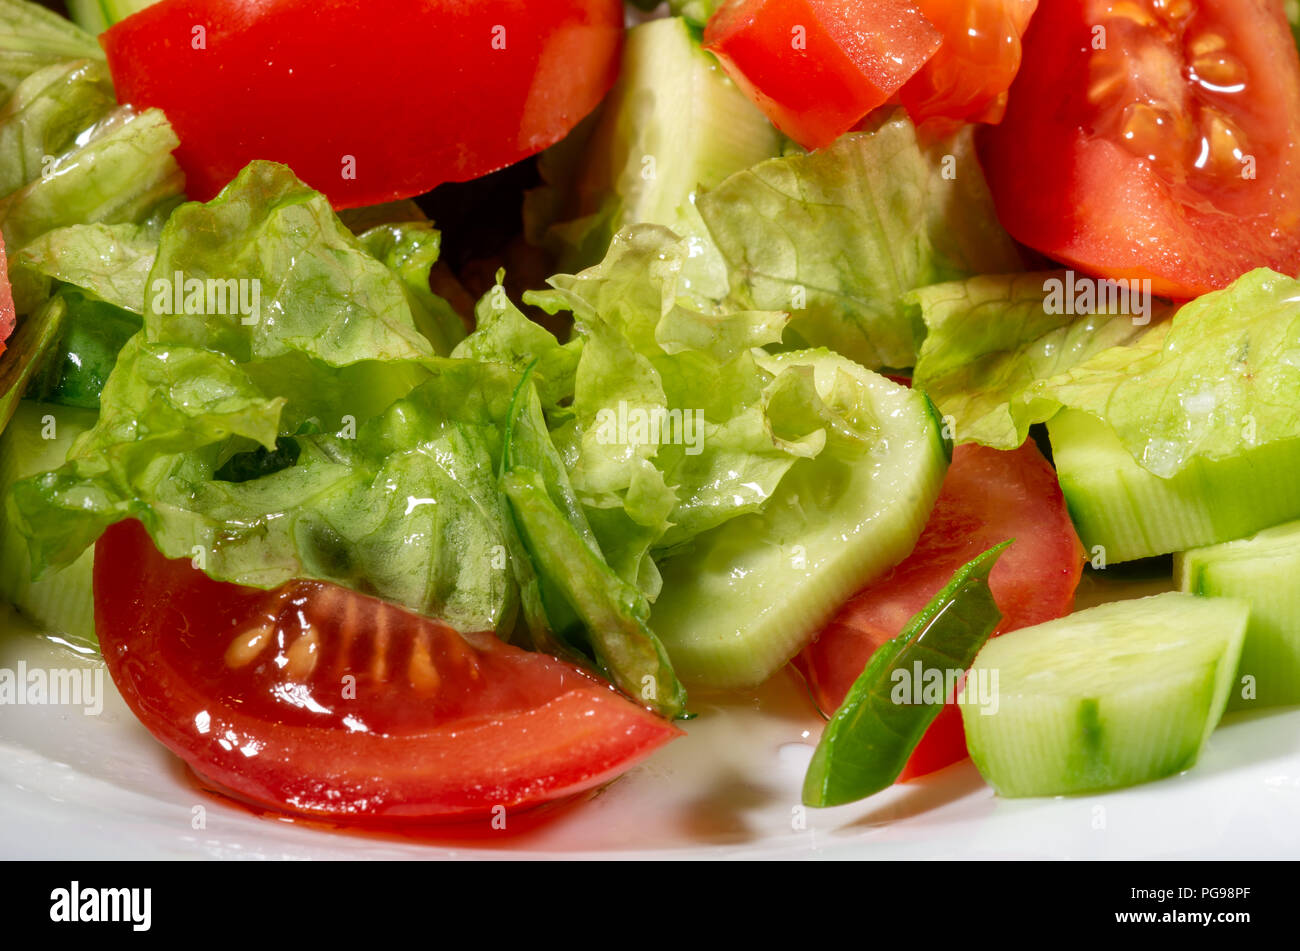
420, 407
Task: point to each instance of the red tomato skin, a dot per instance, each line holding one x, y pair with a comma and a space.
502, 726
816, 67
1084, 200
366, 101
7, 318
968, 78
988, 496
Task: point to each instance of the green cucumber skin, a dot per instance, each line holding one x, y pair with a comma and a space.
1093, 763
1088, 741
94, 333
1130, 513
1088, 756
63, 601
673, 103
737, 607
1262, 571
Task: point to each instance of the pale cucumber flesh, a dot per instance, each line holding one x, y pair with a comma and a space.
1108, 697
673, 123
1130, 513
1263, 571
62, 602
750, 594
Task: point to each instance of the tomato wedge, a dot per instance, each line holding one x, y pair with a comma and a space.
968, 78
365, 101
6, 299
315, 700
1154, 139
988, 496
816, 67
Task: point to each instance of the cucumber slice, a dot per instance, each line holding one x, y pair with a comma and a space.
95, 16
674, 122
1131, 513
751, 593
62, 602
1115, 695
1261, 571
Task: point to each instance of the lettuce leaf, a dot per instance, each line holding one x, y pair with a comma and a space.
45, 115
837, 236
1221, 377
504, 335
70, 156
410, 250
990, 338
122, 171
27, 351
312, 287
394, 490
303, 423
613, 611
671, 431
108, 262
580, 600
32, 37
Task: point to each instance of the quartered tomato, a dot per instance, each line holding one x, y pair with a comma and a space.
968, 78
1154, 139
316, 700
6, 299
365, 101
988, 496
816, 67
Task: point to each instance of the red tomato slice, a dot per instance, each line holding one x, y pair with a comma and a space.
816, 67
315, 700
1154, 139
365, 101
987, 497
969, 77
6, 299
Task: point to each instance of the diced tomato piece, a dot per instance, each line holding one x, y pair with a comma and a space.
316, 700
988, 496
1154, 139
968, 79
816, 67
366, 101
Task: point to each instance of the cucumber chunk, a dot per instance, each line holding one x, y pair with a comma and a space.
750, 594
1262, 571
673, 123
1112, 696
1131, 513
36, 440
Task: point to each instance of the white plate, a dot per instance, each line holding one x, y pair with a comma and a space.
78, 787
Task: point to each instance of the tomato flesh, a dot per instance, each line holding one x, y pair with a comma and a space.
316, 700
988, 496
816, 67
6, 299
968, 78
1154, 139
367, 102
